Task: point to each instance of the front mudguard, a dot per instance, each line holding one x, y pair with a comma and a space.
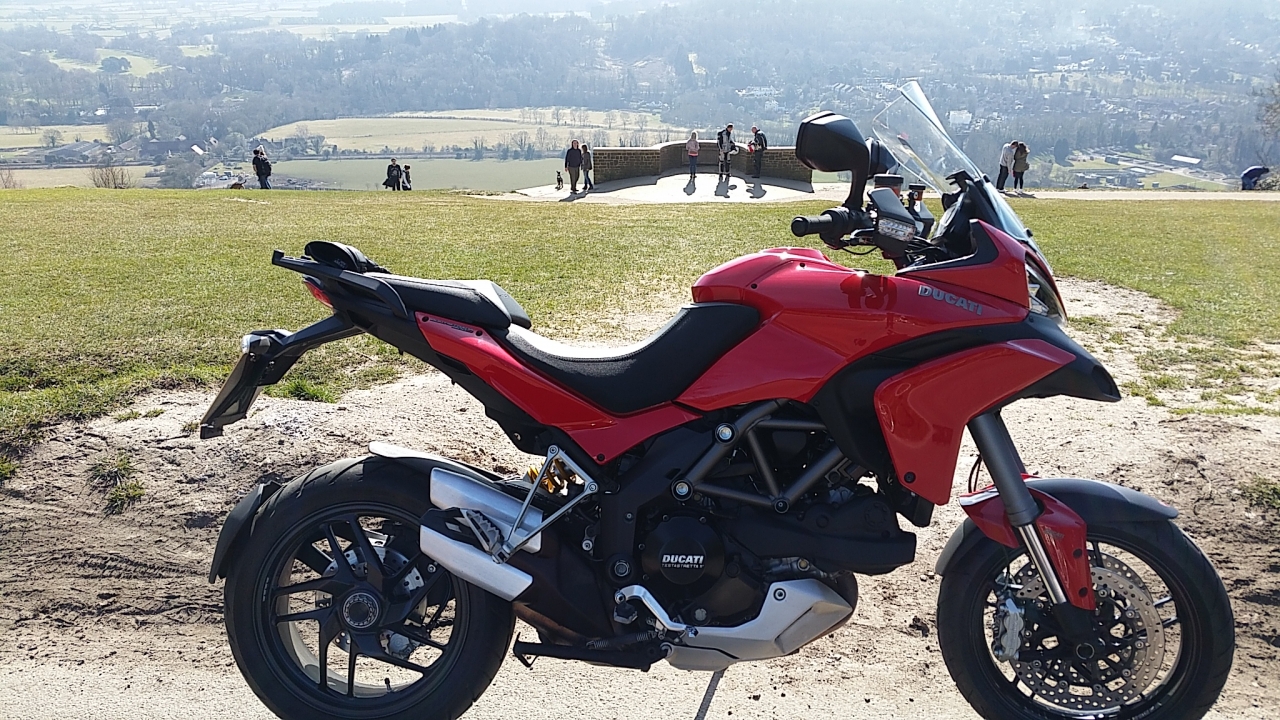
1096, 502
239, 521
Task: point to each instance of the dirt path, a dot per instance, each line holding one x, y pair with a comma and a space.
109, 616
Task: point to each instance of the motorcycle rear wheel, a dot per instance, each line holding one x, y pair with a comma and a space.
1154, 586
302, 603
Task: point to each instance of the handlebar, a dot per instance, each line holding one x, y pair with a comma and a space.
831, 225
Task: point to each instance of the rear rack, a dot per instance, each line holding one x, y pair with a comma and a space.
381, 290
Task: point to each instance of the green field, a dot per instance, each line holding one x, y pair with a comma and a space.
12, 137
106, 293
32, 178
139, 65
462, 127
489, 175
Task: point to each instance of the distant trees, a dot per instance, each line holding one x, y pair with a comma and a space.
52, 137
1270, 112
121, 131
115, 65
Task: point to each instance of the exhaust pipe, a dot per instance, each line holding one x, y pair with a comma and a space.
453, 490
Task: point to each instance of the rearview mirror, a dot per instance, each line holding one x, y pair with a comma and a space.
828, 142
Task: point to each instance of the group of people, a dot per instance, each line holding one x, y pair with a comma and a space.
398, 177
727, 148
1013, 161
578, 163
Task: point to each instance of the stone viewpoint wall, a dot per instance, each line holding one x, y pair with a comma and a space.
618, 163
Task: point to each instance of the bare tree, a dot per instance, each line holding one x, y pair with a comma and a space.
642, 122
8, 181
121, 131
599, 138
111, 176
610, 118
1270, 112
52, 137
556, 115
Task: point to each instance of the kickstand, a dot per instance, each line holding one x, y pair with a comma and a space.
709, 695
524, 659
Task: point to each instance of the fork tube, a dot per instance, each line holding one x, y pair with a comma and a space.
1001, 456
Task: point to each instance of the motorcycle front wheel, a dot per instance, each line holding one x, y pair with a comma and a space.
333, 612
1165, 632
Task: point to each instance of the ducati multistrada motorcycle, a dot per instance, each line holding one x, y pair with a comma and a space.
710, 495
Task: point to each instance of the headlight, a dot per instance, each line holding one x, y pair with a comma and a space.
1041, 298
896, 229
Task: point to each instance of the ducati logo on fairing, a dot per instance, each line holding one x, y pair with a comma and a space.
950, 299
683, 561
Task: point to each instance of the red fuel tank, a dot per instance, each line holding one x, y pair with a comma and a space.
818, 317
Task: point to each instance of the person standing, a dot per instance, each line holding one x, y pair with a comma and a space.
724, 144
1020, 164
406, 183
691, 148
395, 174
573, 165
758, 145
1006, 161
262, 168
588, 164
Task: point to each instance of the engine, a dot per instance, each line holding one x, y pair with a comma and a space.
697, 572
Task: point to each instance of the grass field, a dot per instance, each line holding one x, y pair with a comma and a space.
16, 137
455, 127
492, 175
139, 65
32, 178
106, 293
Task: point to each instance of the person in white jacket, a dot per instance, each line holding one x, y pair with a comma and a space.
1006, 164
691, 147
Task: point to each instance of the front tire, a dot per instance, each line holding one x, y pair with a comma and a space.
1154, 587
320, 632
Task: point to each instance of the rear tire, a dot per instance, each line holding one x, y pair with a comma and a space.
304, 517
1186, 689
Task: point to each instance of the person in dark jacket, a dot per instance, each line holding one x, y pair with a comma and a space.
757, 145
406, 183
1249, 178
573, 165
588, 164
262, 168
395, 175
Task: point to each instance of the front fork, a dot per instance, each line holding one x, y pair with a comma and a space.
1016, 516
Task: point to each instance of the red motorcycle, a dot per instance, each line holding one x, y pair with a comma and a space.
709, 496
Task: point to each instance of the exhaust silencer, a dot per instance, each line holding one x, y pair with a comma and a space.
453, 490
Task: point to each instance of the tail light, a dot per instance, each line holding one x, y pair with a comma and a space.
317, 292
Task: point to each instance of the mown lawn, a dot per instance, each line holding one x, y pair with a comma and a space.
104, 294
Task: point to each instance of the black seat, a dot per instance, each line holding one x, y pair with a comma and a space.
627, 379
475, 302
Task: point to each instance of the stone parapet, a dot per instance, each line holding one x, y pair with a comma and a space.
620, 163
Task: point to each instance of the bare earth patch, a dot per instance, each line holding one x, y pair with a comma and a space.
108, 614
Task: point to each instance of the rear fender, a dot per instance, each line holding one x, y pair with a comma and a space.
239, 522
1071, 505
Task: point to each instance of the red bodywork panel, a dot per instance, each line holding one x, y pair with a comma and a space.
924, 410
817, 317
601, 435
1062, 531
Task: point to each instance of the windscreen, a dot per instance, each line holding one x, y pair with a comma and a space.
911, 129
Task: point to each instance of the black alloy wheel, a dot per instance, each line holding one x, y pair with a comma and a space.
334, 612
1164, 631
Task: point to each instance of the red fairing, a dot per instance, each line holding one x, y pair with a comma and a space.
1005, 276
924, 410
1062, 531
600, 434
818, 317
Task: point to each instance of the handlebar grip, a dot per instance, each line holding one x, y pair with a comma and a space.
812, 225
